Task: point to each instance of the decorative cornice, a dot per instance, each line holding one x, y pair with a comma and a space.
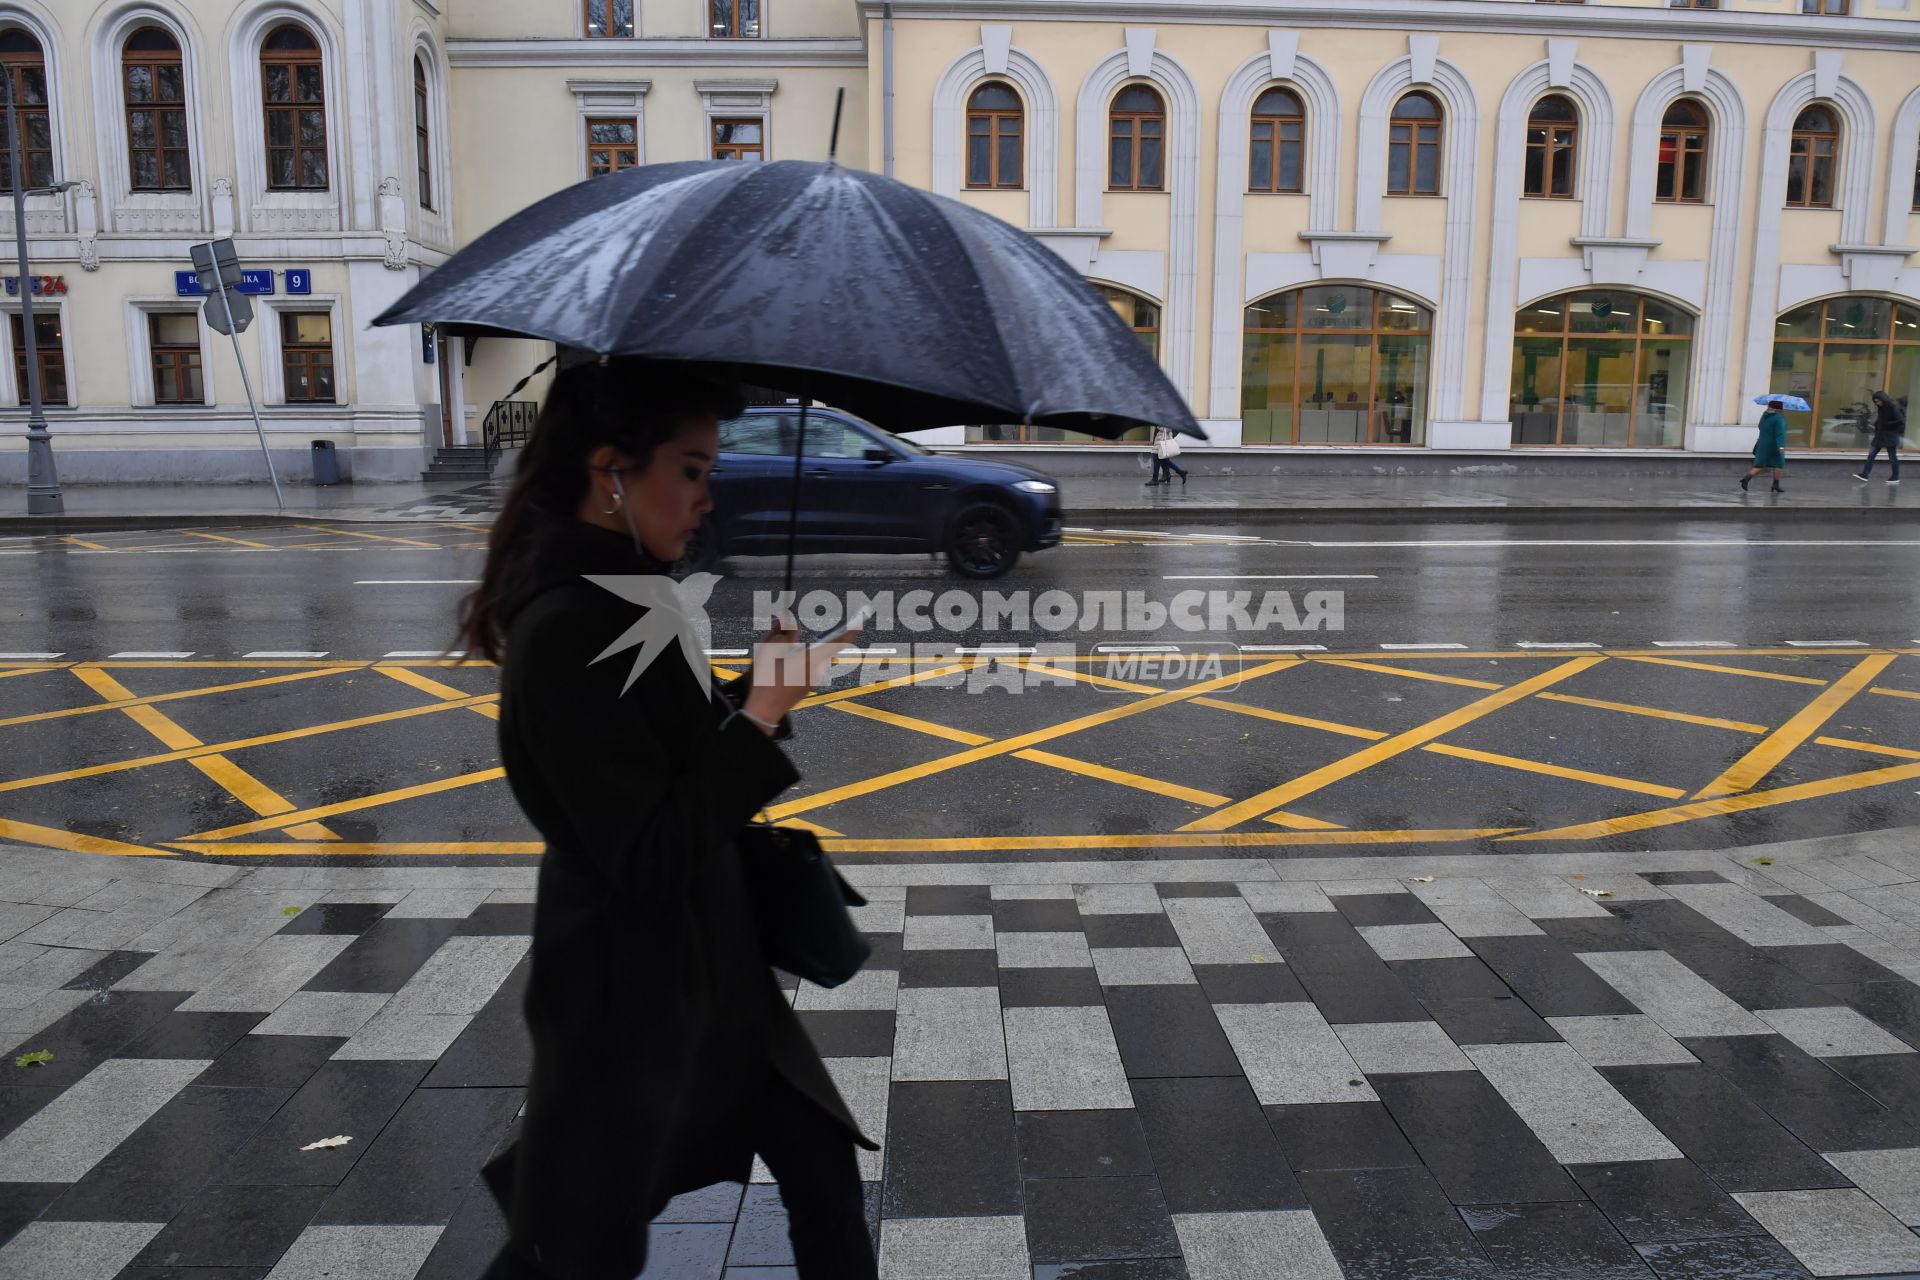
1497, 16
693, 51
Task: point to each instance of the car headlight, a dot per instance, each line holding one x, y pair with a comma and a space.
1034, 486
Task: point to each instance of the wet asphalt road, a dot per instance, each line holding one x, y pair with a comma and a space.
1489, 588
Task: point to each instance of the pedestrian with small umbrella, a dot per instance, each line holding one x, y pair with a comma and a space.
1770, 449
1889, 424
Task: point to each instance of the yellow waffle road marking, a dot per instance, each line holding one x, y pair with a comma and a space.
1087, 677
221, 537
1555, 770
1875, 748
899, 721
918, 677
804, 825
1385, 670
82, 542
1719, 669
1287, 792
404, 849
1885, 692
55, 838
1019, 742
1682, 717
376, 537
1284, 717
1164, 840
1300, 822
149, 699
1139, 782
1745, 772
415, 680
28, 671
1727, 804
284, 820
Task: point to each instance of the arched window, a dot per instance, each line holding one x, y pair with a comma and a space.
1136, 132
156, 99
1276, 142
1600, 368
1335, 364
26, 71
1413, 146
1553, 134
1142, 315
1835, 354
1681, 177
993, 137
1815, 149
293, 80
422, 133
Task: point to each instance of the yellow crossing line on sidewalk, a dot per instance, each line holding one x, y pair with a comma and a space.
1778, 745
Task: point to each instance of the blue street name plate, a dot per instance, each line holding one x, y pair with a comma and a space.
186, 284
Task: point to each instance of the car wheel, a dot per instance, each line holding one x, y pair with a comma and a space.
703, 554
982, 541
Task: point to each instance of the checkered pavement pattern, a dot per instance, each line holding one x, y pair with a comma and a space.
1209, 1069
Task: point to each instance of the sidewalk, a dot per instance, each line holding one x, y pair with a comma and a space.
1682, 1064
1827, 491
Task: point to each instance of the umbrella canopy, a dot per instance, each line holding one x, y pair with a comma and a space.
1792, 403
907, 308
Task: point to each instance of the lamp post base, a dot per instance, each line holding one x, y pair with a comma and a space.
43, 483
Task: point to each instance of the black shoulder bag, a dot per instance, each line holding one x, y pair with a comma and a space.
800, 904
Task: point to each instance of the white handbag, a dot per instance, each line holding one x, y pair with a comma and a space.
1167, 446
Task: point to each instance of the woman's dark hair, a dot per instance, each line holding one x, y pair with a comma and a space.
632, 406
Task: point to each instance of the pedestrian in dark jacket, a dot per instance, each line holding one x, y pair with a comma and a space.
1770, 448
664, 1054
1889, 424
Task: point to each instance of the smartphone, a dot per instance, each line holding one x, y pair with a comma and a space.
855, 623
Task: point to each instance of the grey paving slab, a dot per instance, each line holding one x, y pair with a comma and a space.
1030, 892
18, 917
1043, 951
1620, 1040
984, 1248
1832, 1032
1279, 897
1618, 887
1454, 891
74, 1131
322, 1013
261, 980
1219, 931
61, 925
868, 989
239, 914
1064, 1058
1680, 1000
52, 969
387, 896
1117, 899
390, 1036
362, 1253
47, 1009
948, 933
1849, 907
1747, 916
438, 904
1569, 1106
863, 1086
880, 917
1836, 1232
513, 895
1903, 960
1282, 1244
1363, 885
949, 1033
1142, 966
75, 1250
1890, 1177
1414, 942
1547, 898
1496, 919
1382, 1047
461, 976
1289, 1054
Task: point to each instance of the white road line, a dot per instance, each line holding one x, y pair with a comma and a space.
1616, 542
153, 653
416, 582
996, 649
1557, 644
1693, 644
1823, 644
1423, 646
27, 657
1283, 648
728, 653
426, 653
1267, 577
1136, 648
286, 653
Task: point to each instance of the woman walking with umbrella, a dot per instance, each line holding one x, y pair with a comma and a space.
664, 1054
1889, 424
1770, 449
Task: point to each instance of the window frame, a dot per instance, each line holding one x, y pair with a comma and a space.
586, 22
293, 109
589, 146
60, 353
280, 317
1255, 118
995, 118
1887, 347
736, 150
155, 349
1415, 142
1374, 329
1826, 8
423, 133
1560, 143
155, 61
1136, 135
1812, 138
1682, 134
1693, 4
1565, 334
736, 20
15, 67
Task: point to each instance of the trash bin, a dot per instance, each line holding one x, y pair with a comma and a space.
326, 463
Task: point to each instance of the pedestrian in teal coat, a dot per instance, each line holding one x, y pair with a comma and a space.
1770, 450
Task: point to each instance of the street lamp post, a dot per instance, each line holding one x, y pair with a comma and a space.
43, 483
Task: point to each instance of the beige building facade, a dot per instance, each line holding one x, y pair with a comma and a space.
1480, 226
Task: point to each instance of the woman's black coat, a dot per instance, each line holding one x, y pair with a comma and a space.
655, 1021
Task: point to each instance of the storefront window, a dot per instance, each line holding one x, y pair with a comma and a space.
1600, 369
1335, 364
1143, 317
1835, 354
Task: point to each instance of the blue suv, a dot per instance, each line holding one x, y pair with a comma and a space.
865, 490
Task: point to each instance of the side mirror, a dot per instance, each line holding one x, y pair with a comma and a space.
878, 455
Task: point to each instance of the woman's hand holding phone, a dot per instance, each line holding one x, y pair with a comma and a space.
785, 669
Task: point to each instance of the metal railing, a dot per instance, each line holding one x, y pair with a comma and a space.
508, 425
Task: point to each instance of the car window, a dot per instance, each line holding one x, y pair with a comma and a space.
759, 433
828, 438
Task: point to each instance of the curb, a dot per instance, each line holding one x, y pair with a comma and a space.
1077, 516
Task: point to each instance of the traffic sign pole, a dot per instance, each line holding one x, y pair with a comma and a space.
226, 308
219, 274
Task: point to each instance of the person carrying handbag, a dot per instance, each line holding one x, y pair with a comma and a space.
1889, 424
1166, 447
665, 1056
